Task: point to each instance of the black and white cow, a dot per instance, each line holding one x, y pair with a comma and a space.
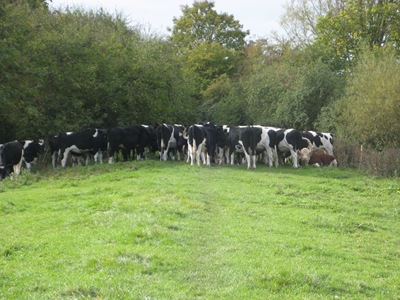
255, 139
170, 140
11, 159
232, 148
203, 141
31, 151
13, 154
131, 139
290, 141
88, 141
148, 142
320, 140
54, 145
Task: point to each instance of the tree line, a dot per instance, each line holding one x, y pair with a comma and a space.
337, 69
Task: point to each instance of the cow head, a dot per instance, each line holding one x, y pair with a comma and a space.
304, 154
32, 149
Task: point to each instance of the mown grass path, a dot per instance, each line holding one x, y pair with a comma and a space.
151, 230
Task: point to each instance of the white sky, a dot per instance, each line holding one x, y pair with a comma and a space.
261, 17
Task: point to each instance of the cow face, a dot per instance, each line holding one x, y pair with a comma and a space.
32, 149
304, 156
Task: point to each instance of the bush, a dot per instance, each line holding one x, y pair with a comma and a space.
381, 163
369, 114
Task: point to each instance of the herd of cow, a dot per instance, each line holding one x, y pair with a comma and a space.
206, 143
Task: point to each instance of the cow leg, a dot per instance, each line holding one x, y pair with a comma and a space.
17, 169
220, 157
199, 155
194, 153
174, 154
165, 155
162, 149
125, 154
246, 154
28, 165
3, 173
270, 157
190, 154
110, 153
98, 157
65, 157
202, 152
294, 158
54, 159
275, 157
254, 158
232, 156
227, 156
248, 159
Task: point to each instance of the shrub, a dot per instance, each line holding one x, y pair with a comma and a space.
381, 163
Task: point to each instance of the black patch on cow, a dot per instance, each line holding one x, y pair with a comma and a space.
32, 150
10, 156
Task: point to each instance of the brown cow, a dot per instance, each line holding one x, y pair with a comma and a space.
320, 159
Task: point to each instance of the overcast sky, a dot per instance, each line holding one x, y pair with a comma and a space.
261, 17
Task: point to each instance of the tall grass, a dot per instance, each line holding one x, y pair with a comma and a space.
152, 230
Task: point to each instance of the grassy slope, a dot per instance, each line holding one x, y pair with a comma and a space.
152, 230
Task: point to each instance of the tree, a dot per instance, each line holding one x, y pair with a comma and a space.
200, 24
210, 44
342, 35
369, 113
223, 102
301, 18
209, 60
291, 90
69, 70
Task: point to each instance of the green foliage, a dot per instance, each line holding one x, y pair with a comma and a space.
210, 43
200, 24
223, 102
343, 34
291, 92
210, 60
69, 70
370, 111
152, 230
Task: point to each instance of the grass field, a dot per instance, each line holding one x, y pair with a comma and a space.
152, 230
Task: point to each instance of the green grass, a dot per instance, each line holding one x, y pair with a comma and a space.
152, 230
